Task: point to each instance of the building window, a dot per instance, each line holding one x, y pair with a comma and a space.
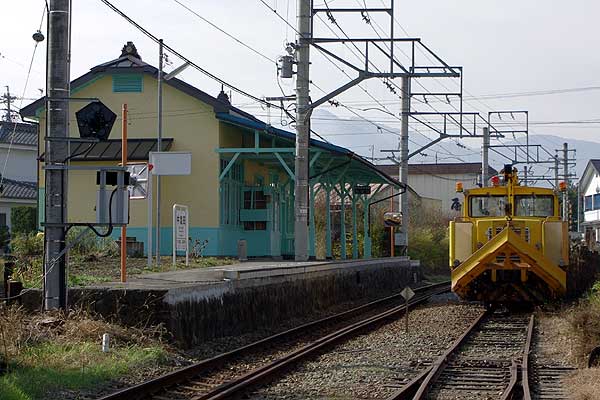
255, 225
230, 191
597, 201
255, 199
128, 83
588, 203
2, 219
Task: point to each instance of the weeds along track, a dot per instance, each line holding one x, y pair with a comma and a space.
231, 373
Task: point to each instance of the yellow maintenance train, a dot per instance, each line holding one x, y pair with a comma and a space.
510, 243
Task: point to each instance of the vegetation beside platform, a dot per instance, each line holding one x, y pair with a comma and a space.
44, 355
91, 260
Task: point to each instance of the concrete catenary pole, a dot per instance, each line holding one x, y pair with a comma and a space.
556, 172
403, 172
485, 148
566, 179
57, 125
159, 146
302, 130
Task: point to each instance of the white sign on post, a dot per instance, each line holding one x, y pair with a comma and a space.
171, 162
181, 232
408, 294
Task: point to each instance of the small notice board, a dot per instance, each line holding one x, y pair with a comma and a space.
181, 231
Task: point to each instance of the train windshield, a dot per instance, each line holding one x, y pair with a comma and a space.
534, 206
487, 206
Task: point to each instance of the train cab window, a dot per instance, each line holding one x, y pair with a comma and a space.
487, 206
534, 206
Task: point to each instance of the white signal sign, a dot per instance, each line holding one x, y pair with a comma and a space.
181, 231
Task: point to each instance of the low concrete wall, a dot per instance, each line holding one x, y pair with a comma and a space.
195, 313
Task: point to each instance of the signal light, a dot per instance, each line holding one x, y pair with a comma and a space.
459, 187
495, 180
562, 186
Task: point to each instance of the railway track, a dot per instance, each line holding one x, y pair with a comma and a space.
489, 361
234, 372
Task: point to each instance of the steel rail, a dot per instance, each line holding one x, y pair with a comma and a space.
261, 374
439, 365
509, 393
182, 375
525, 362
418, 387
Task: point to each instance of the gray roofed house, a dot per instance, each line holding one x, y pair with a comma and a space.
20, 190
18, 167
18, 133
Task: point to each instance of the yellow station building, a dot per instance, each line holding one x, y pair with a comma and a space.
241, 183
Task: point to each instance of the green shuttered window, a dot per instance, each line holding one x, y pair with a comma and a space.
127, 83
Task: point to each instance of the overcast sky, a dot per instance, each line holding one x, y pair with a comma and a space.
505, 46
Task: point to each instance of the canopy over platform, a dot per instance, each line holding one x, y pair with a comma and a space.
333, 170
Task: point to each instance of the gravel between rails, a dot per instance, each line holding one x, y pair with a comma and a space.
374, 365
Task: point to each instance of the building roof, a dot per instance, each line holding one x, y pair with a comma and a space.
280, 133
591, 169
13, 189
20, 133
128, 63
596, 164
110, 150
438, 169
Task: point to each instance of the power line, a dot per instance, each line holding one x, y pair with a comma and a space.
225, 32
182, 57
12, 136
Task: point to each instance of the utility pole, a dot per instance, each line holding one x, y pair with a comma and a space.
525, 172
7, 98
566, 177
403, 172
57, 109
302, 130
485, 156
159, 147
556, 169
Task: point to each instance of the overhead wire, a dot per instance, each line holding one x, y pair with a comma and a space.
223, 31
12, 136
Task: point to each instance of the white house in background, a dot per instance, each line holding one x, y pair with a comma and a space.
437, 182
589, 189
18, 167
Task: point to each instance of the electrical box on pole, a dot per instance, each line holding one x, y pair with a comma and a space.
285, 66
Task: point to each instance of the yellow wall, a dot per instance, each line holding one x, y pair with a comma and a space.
187, 120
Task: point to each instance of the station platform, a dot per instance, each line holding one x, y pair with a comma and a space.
244, 271
203, 303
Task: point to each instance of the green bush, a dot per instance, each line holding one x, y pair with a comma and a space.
26, 245
23, 220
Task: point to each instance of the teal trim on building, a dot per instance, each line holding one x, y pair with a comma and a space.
128, 83
166, 238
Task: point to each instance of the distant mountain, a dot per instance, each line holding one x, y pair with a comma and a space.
359, 135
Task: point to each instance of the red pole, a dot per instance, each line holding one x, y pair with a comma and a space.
124, 227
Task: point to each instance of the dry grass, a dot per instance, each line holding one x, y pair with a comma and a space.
57, 351
585, 327
584, 384
557, 341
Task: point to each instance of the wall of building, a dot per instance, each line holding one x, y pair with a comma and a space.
21, 165
193, 127
591, 190
441, 187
